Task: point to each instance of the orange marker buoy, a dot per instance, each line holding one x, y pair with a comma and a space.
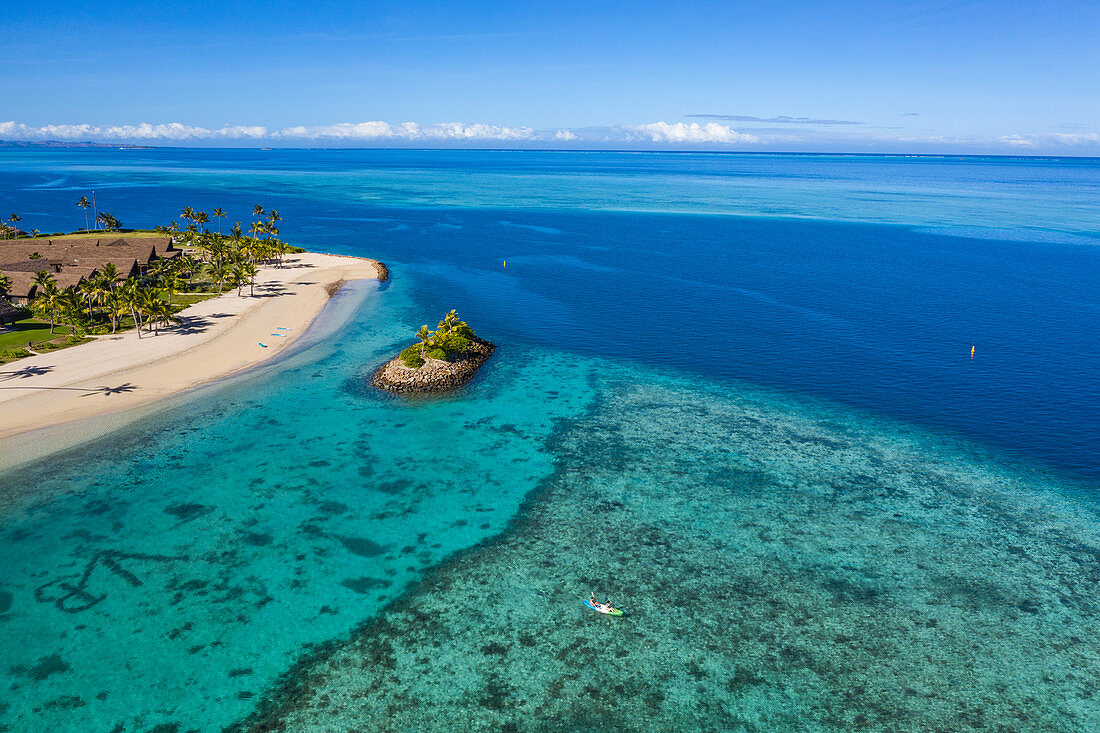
971, 352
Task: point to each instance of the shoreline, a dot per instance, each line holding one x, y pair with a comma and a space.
108, 379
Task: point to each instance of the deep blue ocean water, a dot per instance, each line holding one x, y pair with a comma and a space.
752, 371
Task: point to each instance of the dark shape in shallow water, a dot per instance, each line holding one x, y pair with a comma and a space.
187, 512
50, 664
362, 546
364, 585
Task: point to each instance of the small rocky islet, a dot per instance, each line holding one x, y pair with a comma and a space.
442, 360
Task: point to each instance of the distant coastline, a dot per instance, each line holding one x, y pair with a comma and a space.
67, 144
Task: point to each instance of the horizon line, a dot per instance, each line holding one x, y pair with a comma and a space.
91, 145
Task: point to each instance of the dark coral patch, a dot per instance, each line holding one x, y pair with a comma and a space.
362, 546
187, 512
364, 585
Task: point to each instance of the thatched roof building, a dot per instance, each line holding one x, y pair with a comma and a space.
8, 312
72, 259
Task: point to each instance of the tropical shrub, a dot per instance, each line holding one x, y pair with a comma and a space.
450, 343
437, 353
411, 357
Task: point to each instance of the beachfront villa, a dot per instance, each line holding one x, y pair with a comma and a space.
73, 259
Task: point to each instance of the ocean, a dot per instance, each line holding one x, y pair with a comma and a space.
735, 393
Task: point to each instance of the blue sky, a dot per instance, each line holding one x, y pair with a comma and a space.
982, 77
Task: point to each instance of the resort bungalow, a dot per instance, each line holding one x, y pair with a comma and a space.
9, 313
72, 259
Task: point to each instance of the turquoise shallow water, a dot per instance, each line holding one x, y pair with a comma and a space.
782, 566
172, 573
761, 435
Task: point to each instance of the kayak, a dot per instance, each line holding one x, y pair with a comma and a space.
603, 609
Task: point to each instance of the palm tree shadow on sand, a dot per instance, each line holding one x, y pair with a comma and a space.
89, 391
25, 372
107, 391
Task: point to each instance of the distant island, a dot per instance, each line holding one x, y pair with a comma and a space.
70, 144
443, 359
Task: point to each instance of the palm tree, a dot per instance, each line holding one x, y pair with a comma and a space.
114, 306
15, 219
200, 219
84, 203
250, 271
42, 278
188, 213
46, 299
219, 215
160, 313
89, 293
71, 305
145, 302
272, 219
221, 272
109, 273
425, 337
5, 284
257, 210
110, 223
128, 299
239, 275
450, 321
187, 266
34, 256
166, 276
105, 281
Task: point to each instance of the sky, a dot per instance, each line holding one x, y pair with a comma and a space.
901, 77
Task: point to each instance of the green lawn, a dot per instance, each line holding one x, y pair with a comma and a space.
13, 340
94, 233
29, 329
186, 299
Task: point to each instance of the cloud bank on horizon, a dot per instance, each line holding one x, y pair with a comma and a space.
708, 135
378, 131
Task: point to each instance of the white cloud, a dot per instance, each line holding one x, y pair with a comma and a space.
406, 131
682, 132
1017, 141
379, 131
459, 134
171, 131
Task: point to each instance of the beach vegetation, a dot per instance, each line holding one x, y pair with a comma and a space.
411, 357
84, 203
451, 339
147, 300
109, 221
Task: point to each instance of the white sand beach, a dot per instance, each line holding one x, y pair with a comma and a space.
214, 338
